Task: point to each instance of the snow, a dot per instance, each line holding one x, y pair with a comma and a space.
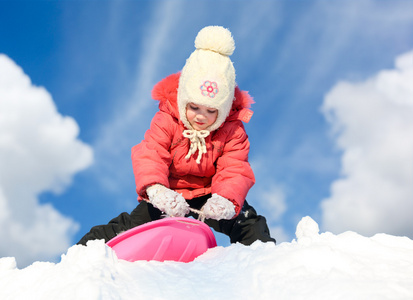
314, 266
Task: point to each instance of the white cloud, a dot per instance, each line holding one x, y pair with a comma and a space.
373, 126
269, 199
275, 204
267, 193
39, 152
279, 234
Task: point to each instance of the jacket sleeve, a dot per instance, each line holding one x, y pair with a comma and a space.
234, 176
151, 158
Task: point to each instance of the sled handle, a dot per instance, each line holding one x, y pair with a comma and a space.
201, 215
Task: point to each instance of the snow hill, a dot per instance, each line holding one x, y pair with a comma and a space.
314, 266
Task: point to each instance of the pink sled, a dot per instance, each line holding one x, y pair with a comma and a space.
175, 239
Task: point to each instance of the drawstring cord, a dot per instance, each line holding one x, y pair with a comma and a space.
201, 215
197, 139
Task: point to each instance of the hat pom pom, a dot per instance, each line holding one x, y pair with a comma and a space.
215, 38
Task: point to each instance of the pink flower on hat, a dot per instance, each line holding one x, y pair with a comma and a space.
209, 88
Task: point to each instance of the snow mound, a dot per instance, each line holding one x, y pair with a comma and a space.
315, 266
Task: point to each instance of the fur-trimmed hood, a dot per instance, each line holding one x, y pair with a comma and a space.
166, 91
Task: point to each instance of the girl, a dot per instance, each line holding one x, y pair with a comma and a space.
195, 153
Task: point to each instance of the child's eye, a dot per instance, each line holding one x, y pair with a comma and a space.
193, 107
212, 111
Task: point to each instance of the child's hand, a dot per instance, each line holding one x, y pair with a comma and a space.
167, 200
218, 207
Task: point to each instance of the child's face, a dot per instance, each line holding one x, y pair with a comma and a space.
200, 116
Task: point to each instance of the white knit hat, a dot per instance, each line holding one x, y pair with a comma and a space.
208, 77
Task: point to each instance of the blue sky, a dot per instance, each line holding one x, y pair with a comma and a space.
310, 66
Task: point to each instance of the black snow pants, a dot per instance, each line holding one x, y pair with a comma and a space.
246, 228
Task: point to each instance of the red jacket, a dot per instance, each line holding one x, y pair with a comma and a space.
224, 169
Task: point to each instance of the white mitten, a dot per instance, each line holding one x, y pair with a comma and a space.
218, 207
167, 200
